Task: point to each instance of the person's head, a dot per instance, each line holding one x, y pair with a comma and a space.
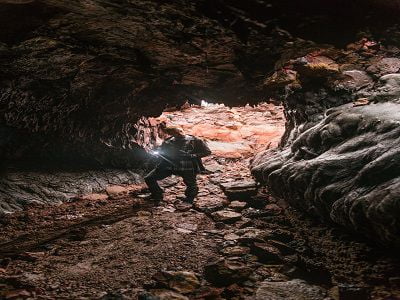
174, 131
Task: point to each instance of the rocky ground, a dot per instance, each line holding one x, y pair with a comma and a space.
236, 242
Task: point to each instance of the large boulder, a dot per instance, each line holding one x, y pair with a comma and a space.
339, 159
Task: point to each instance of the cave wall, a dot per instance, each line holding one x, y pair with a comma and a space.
339, 157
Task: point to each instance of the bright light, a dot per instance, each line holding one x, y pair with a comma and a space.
154, 152
204, 103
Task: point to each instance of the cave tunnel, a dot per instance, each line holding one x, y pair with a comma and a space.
271, 126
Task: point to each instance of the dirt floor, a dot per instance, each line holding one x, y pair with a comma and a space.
234, 243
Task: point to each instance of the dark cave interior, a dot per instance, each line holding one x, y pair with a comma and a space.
303, 183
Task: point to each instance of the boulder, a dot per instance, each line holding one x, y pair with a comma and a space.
353, 180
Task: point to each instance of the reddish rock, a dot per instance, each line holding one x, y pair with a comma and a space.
117, 191
95, 197
226, 216
237, 205
236, 251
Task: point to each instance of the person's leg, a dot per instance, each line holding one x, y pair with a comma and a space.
151, 181
189, 178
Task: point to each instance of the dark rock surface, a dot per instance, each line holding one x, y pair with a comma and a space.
18, 189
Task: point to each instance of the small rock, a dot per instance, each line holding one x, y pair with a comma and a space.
236, 251
225, 272
361, 102
214, 167
117, 191
183, 282
209, 204
183, 206
272, 209
143, 213
237, 205
226, 216
231, 237
243, 223
239, 189
266, 253
250, 235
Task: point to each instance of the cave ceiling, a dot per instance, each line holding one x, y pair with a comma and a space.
83, 72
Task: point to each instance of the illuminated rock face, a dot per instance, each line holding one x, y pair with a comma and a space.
339, 159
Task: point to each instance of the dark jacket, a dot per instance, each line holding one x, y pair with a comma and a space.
185, 153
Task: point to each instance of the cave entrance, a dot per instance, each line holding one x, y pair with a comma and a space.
232, 133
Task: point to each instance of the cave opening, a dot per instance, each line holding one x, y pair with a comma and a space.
234, 135
232, 132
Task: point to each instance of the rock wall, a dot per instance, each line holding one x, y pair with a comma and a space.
339, 158
44, 187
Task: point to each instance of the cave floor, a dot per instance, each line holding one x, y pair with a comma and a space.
117, 246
